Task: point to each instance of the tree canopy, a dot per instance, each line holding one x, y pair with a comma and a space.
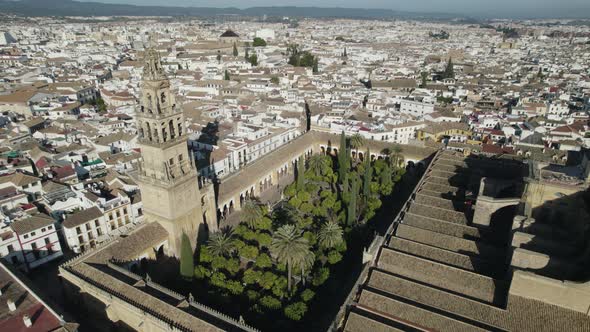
258, 42
290, 248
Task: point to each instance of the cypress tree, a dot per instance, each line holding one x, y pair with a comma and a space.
351, 216
246, 56
424, 79
343, 161
367, 176
235, 50
300, 173
187, 265
449, 71
226, 75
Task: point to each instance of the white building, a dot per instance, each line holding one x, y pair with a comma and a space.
266, 34
415, 108
38, 240
84, 229
10, 249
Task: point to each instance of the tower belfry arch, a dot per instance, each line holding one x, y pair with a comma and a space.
167, 175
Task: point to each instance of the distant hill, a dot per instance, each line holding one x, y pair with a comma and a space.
75, 8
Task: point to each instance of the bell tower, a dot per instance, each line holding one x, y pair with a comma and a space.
167, 175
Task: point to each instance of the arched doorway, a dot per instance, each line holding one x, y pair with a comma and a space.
160, 252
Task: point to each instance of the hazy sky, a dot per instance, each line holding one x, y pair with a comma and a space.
553, 8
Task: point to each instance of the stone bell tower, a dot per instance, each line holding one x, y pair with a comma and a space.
167, 175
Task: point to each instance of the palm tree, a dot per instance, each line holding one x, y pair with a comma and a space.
396, 155
221, 243
288, 246
318, 163
251, 214
357, 141
305, 264
330, 235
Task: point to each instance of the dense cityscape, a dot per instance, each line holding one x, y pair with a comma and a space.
238, 173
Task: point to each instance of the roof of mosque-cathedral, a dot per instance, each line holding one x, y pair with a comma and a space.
438, 270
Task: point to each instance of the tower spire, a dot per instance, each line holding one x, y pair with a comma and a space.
152, 69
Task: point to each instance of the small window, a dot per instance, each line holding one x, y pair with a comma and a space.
49, 227
26, 236
32, 233
10, 248
43, 230
47, 241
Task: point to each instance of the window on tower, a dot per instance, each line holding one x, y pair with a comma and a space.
163, 98
149, 100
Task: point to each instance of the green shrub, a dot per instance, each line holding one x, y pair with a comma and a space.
218, 263
264, 239
319, 211
241, 229
303, 223
250, 252
320, 276
202, 272
263, 261
341, 247
279, 289
295, 202
304, 196
252, 295
306, 207
234, 287
232, 266
270, 302
205, 255
312, 239
218, 279
295, 311
334, 257
264, 224
311, 188
239, 244
329, 202
290, 190
249, 236
251, 276
267, 280
307, 295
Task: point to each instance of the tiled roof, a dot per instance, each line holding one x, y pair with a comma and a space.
13, 289
82, 217
27, 225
